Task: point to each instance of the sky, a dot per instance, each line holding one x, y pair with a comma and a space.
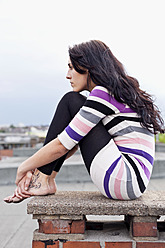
34, 40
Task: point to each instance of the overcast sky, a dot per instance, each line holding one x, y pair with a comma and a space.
34, 40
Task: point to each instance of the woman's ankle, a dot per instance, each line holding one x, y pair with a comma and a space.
40, 174
38, 179
53, 175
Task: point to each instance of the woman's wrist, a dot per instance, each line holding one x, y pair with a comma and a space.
23, 168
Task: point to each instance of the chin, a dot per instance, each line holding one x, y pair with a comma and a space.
75, 90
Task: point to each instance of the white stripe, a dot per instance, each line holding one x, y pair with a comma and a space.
123, 186
119, 127
141, 171
113, 177
101, 163
66, 141
111, 187
98, 87
107, 119
128, 114
138, 146
145, 162
143, 136
135, 185
104, 102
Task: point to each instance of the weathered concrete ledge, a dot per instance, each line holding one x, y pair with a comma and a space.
94, 203
63, 217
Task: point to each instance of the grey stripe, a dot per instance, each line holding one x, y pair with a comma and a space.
130, 191
89, 116
132, 129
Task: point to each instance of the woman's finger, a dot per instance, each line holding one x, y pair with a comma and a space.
16, 192
28, 179
24, 192
20, 193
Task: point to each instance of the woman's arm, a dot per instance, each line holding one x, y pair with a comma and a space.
48, 153
71, 152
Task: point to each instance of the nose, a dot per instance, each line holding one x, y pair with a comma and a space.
68, 76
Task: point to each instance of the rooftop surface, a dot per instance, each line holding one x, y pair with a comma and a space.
16, 229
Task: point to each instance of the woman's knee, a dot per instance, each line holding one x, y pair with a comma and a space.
74, 101
71, 95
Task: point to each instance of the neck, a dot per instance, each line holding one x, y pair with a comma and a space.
91, 86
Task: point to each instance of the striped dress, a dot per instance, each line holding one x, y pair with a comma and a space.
121, 169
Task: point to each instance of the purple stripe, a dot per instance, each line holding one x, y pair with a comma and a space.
72, 134
107, 177
105, 96
146, 171
127, 110
137, 152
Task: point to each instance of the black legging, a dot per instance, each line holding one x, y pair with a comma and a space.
90, 145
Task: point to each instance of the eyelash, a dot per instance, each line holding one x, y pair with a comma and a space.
70, 66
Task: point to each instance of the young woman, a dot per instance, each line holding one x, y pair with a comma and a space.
114, 128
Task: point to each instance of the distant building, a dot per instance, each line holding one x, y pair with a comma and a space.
25, 139
14, 140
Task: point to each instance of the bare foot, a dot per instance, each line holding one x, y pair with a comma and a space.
14, 199
40, 184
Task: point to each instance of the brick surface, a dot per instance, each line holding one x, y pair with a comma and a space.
150, 245
54, 226
6, 152
38, 244
79, 244
57, 236
78, 226
141, 229
56, 245
118, 244
45, 244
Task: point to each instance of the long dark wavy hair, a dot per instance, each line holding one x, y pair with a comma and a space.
105, 70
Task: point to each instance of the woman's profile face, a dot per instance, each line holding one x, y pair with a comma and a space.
78, 81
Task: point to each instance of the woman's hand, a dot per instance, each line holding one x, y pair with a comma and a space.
23, 185
48, 153
21, 173
21, 192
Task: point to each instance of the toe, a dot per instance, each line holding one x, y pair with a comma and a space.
8, 199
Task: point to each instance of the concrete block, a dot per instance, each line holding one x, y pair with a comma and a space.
71, 217
46, 217
57, 217
94, 203
37, 236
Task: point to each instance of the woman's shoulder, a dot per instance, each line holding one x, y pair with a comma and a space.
99, 90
